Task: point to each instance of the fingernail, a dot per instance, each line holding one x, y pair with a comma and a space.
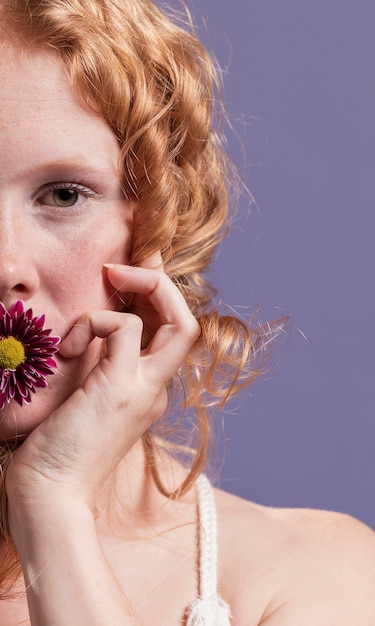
118, 266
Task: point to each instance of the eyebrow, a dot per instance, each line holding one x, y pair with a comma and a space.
76, 163
72, 167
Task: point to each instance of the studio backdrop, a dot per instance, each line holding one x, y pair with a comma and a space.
299, 83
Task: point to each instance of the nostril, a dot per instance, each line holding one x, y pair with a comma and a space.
20, 288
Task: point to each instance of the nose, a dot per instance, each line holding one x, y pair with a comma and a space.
18, 274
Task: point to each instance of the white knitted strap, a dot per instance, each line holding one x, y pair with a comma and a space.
209, 609
207, 538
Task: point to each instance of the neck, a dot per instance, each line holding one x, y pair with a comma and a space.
130, 499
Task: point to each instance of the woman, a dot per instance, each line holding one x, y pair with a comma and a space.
112, 188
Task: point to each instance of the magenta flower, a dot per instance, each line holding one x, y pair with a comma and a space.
26, 350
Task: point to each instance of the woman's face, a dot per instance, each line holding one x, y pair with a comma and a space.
62, 213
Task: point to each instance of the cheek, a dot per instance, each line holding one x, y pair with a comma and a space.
76, 280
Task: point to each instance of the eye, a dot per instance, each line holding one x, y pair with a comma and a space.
63, 195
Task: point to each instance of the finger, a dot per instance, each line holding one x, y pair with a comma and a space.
159, 289
110, 325
154, 262
179, 328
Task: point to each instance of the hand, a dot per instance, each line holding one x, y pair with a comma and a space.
74, 451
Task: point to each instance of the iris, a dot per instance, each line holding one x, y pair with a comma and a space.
26, 353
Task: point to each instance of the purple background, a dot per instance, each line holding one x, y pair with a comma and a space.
300, 87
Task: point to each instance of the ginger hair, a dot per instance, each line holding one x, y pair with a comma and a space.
159, 90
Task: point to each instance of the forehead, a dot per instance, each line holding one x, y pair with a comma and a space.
29, 78
37, 102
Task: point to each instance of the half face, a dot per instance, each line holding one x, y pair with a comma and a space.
62, 212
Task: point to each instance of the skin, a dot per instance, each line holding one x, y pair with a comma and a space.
129, 556
53, 257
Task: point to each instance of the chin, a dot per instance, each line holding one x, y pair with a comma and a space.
17, 422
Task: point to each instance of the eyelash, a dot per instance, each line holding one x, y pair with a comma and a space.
81, 190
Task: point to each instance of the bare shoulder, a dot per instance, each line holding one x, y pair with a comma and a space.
294, 566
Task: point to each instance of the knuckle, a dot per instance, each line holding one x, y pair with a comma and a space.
133, 322
192, 329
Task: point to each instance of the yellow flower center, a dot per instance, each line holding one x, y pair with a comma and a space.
12, 353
